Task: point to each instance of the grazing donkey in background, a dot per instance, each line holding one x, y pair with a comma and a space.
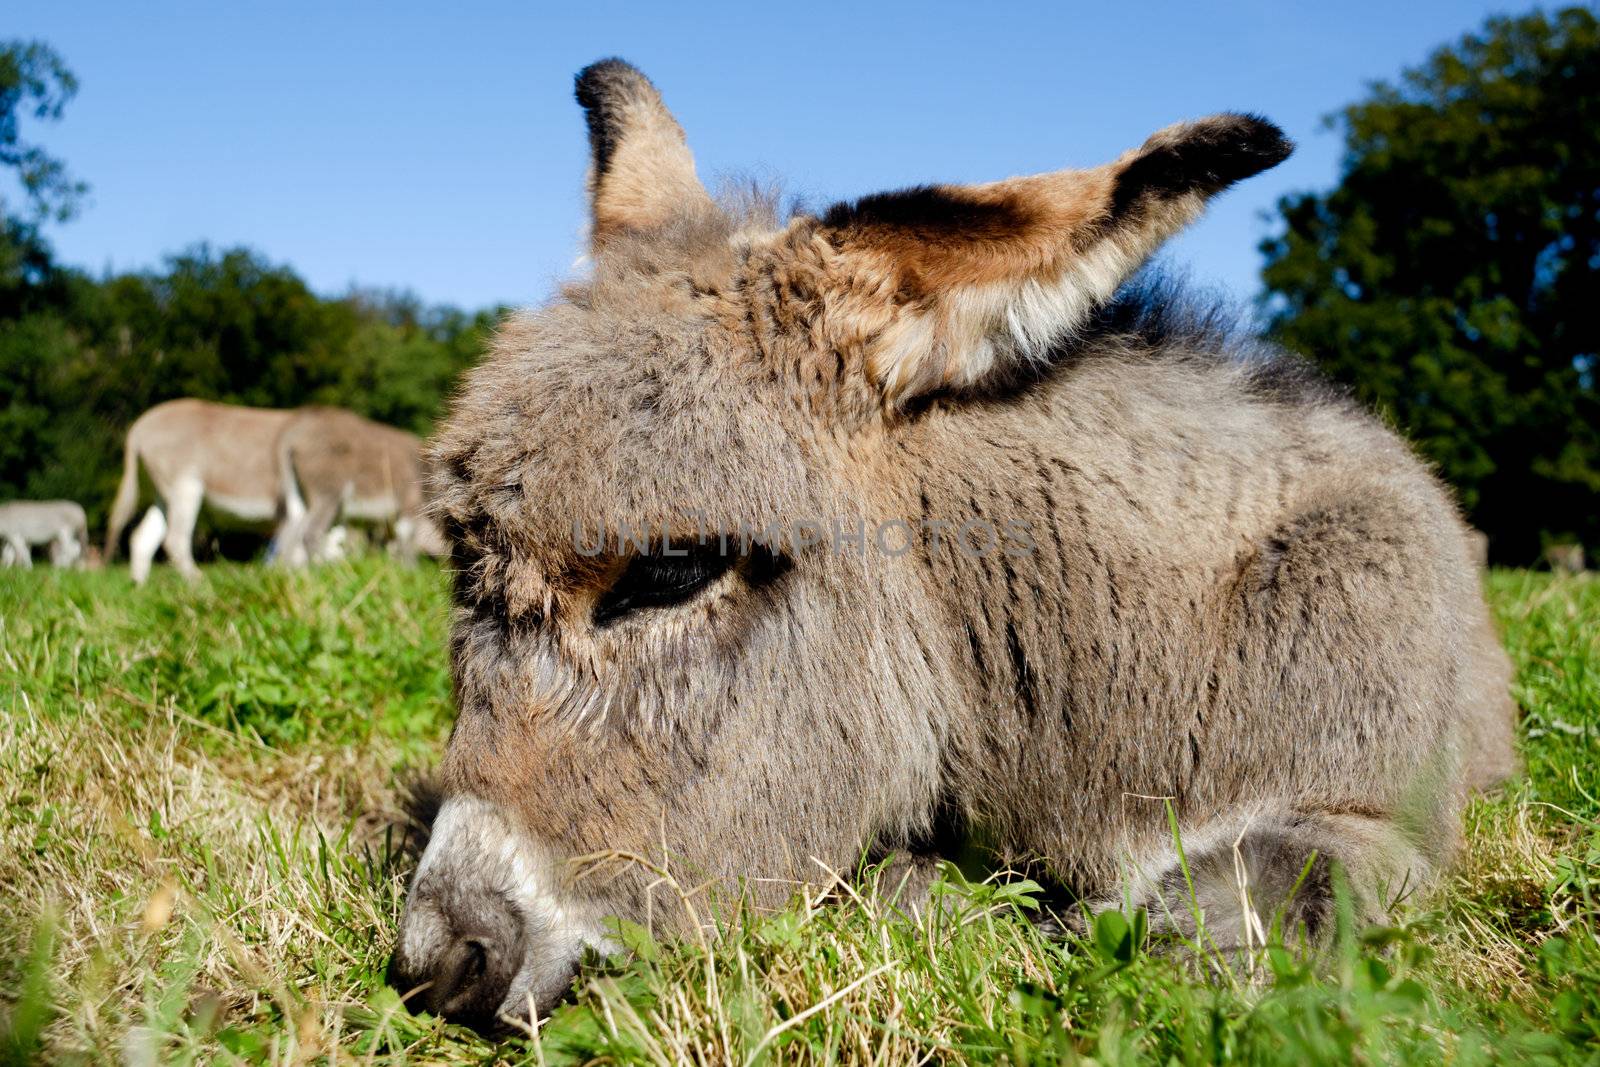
336, 464
1221, 583
195, 451
58, 523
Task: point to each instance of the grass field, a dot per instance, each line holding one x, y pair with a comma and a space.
198, 789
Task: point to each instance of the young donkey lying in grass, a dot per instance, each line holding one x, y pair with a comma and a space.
1089, 559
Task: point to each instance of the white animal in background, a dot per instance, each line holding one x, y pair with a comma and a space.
57, 523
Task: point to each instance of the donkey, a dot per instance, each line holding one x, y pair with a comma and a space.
335, 464
196, 451
1218, 588
59, 524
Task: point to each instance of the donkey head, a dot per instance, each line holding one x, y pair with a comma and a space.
692, 629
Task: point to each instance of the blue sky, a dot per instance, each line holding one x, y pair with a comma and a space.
437, 147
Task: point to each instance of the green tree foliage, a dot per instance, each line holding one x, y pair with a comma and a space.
34, 80
84, 358
1451, 275
81, 358
34, 84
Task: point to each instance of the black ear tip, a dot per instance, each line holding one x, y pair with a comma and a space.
594, 82
1205, 157
1261, 139
1214, 153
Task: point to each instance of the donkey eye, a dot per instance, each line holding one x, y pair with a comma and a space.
659, 581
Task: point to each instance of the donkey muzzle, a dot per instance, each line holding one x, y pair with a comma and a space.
459, 955
493, 928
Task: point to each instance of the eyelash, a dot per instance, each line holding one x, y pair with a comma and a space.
660, 581
657, 580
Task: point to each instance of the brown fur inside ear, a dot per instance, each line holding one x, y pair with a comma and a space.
945, 286
938, 239
935, 215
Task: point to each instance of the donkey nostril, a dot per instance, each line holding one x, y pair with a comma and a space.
469, 980
477, 960
459, 951
456, 983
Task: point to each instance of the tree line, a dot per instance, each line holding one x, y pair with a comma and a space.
1448, 278
81, 357
1452, 277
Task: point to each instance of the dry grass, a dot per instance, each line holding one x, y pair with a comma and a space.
198, 862
214, 876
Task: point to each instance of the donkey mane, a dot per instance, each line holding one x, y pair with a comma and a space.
1159, 314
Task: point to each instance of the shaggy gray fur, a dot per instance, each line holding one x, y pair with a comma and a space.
1245, 598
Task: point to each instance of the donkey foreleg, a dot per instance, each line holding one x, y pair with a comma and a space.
143, 543
15, 552
1236, 883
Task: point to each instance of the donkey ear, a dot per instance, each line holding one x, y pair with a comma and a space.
641, 173
946, 287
